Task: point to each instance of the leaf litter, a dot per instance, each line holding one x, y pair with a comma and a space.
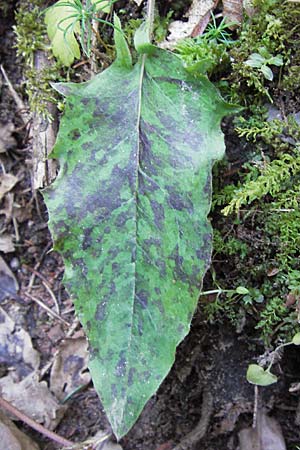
21, 386
267, 435
6, 243
12, 438
8, 283
69, 371
7, 140
7, 182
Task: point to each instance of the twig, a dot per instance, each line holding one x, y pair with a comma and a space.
16, 228
36, 426
199, 432
31, 281
45, 284
51, 313
255, 406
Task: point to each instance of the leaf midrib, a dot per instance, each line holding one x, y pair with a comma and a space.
140, 86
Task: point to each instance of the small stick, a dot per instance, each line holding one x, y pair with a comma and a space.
45, 284
255, 406
16, 228
30, 284
51, 313
33, 424
52, 295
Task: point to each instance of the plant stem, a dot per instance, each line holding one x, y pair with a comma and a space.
150, 17
215, 291
274, 354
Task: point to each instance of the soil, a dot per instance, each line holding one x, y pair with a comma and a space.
208, 377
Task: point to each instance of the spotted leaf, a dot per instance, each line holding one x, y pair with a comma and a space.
128, 212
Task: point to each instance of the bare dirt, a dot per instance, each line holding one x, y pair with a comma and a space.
206, 391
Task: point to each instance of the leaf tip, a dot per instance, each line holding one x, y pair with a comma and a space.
123, 53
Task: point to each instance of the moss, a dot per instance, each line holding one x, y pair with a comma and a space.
31, 37
262, 195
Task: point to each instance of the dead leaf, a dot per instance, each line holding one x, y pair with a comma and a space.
8, 283
266, 436
7, 141
33, 398
231, 413
272, 272
16, 348
291, 299
233, 11
69, 370
12, 438
6, 243
180, 30
7, 209
7, 182
99, 444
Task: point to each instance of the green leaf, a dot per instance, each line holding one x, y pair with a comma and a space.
257, 375
142, 39
255, 60
264, 53
267, 72
276, 61
103, 5
296, 339
242, 290
128, 212
61, 26
123, 54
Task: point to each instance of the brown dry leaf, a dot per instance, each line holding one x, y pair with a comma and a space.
273, 272
8, 283
12, 438
180, 30
16, 348
8, 204
266, 436
100, 442
33, 398
111, 446
6, 243
69, 370
7, 141
233, 11
7, 182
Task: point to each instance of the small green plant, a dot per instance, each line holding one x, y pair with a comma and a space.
259, 376
66, 19
272, 179
262, 60
31, 36
204, 53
